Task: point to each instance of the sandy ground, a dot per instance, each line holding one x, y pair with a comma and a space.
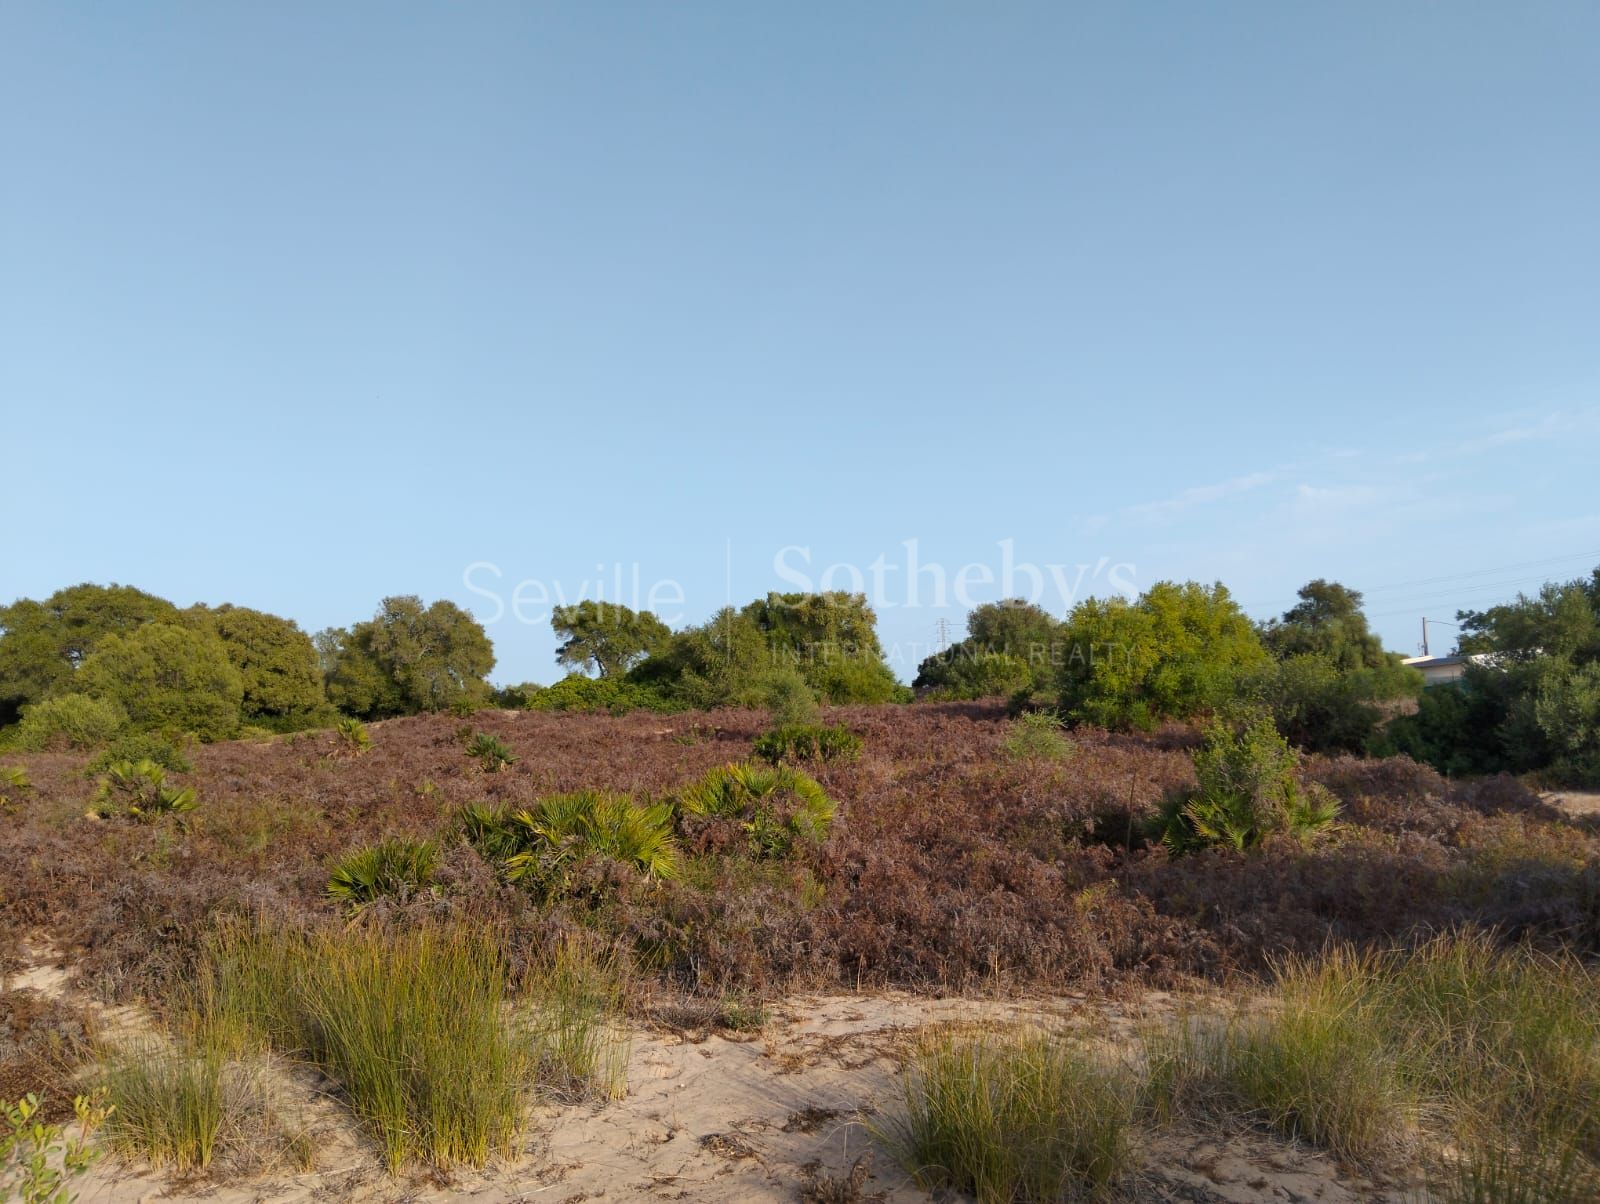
732, 1117
1575, 803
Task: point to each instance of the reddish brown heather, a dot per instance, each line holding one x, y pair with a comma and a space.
950, 866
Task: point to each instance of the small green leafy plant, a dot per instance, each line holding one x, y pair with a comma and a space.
139, 790
1249, 789
1036, 736
493, 753
353, 737
540, 846
39, 1161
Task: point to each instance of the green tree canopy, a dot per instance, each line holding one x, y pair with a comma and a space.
1176, 652
1561, 620
1011, 646
167, 676
407, 658
832, 638
1326, 622
42, 643
606, 636
731, 659
276, 661
720, 662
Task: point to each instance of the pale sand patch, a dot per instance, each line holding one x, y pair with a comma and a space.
1575, 803
731, 1118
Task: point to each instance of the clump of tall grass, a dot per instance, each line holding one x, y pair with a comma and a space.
1314, 1067
1491, 1055
411, 1025
183, 1098
576, 996
171, 1104
1022, 1116
1504, 1044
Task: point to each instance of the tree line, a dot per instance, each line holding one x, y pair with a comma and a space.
93, 661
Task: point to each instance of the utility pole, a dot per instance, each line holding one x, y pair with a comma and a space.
1436, 623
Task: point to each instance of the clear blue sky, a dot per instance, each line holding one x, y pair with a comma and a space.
301, 305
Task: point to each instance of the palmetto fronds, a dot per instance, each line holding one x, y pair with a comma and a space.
139, 789
13, 783
395, 868
775, 804
493, 753
539, 845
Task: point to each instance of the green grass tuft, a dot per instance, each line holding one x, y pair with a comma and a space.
411, 1025
1019, 1117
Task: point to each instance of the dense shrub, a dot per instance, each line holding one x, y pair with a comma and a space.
1323, 708
830, 639
1036, 736
575, 692
1249, 790
42, 643
277, 663
142, 746
69, 721
1012, 647
1176, 652
167, 677
784, 694
408, 658
807, 742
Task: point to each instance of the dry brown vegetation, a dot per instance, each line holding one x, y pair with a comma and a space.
951, 865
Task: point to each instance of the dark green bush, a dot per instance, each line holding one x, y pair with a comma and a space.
69, 721
808, 742
142, 746
615, 696
167, 677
